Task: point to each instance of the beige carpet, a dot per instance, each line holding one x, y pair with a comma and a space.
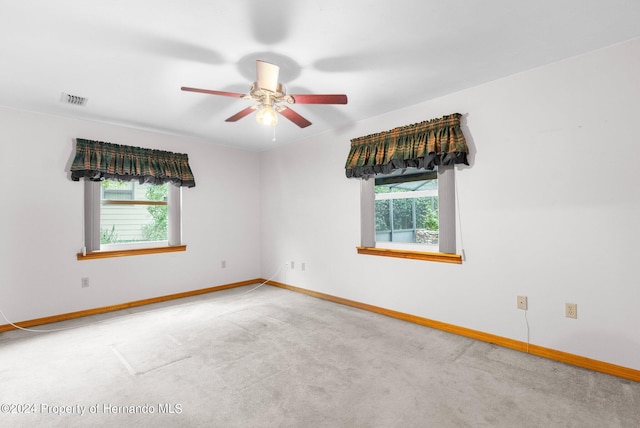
142, 355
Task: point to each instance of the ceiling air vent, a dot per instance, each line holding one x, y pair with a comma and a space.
73, 99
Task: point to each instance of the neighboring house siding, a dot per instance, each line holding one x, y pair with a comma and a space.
126, 221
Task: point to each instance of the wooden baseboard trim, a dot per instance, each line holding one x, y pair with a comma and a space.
540, 351
552, 354
112, 308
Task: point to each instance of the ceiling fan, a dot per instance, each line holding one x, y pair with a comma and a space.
269, 93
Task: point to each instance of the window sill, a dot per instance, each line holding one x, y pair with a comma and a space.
414, 255
124, 253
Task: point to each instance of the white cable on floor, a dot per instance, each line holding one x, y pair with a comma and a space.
93, 323
255, 288
36, 331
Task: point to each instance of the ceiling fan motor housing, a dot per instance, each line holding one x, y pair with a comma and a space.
265, 96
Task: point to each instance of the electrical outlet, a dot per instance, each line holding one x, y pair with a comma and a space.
292, 264
303, 266
571, 310
522, 302
85, 282
223, 264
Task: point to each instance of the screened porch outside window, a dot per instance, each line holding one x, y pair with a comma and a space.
406, 208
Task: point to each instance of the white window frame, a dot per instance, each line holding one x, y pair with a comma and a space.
92, 204
446, 214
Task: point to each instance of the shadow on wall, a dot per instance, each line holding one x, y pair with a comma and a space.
471, 157
592, 343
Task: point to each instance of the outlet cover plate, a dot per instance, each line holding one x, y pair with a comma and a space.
522, 302
571, 310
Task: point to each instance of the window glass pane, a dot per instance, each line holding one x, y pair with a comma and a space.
427, 220
117, 190
403, 210
406, 208
149, 192
131, 190
126, 223
383, 220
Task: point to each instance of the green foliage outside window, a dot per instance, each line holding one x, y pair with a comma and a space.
112, 184
426, 211
108, 236
426, 214
156, 231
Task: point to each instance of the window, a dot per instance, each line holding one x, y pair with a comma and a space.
130, 215
395, 207
119, 209
411, 210
406, 208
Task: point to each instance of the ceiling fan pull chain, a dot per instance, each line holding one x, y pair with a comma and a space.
274, 133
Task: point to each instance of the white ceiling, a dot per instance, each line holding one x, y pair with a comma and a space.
130, 57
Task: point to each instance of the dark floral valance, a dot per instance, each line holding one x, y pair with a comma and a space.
97, 161
421, 145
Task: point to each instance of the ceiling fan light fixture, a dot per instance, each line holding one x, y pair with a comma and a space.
268, 93
267, 116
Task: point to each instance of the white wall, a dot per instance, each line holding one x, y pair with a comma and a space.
41, 221
549, 209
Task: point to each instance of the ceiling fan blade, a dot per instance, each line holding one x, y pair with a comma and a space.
208, 91
241, 114
267, 75
294, 117
319, 99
